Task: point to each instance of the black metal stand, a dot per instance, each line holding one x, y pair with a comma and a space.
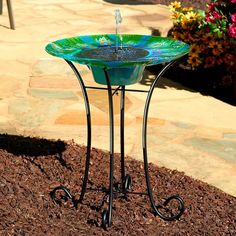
125, 179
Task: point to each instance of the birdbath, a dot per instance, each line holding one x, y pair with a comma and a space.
119, 66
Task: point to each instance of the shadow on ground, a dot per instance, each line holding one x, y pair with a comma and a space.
4, 26
29, 146
164, 83
207, 82
31, 149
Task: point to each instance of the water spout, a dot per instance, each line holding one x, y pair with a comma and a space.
118, 19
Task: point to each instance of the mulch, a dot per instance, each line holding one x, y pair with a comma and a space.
30, 168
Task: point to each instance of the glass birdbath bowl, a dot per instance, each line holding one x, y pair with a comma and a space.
125, 64
119, 65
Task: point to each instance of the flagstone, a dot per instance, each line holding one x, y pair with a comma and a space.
53, 94
40, 95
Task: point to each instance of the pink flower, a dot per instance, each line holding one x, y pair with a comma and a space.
233, 1
232, 31
233, 18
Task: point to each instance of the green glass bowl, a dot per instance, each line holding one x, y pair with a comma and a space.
125, 64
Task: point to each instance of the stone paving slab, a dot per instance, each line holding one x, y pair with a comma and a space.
40, 96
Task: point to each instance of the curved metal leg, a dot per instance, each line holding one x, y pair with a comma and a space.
87, 107
87, 162
144, 144
125, 179
122, 148
107, 214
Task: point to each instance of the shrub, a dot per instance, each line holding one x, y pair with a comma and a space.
209, 33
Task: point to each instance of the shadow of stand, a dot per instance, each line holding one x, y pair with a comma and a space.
150, 74
33, 148
205, 81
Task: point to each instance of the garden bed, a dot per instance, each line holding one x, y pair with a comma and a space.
30, 168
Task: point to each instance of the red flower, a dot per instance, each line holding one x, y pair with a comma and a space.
208, 29
233, 18
211, 6
210, 18
229, 59
232, 30
213, 16
216, 15
233, 1
209, 62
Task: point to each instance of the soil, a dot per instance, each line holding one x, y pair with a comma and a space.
30, 168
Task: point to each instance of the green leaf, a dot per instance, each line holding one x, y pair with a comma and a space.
202, 13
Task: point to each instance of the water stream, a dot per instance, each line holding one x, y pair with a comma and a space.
114, 53
118, 19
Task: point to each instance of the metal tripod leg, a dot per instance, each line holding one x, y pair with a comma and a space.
122, 149
125, 179
87, 162
88, 115
145, 159
107, 214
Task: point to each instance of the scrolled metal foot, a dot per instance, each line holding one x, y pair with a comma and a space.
105, 219
64, 198
145, 159
89, 135
127, 183
165, 204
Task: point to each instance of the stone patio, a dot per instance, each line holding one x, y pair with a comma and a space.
40, 97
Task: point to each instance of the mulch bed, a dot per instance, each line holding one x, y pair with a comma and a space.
30, 168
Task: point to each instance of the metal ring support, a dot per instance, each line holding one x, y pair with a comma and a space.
145, 159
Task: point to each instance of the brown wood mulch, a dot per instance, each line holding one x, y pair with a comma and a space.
30, 168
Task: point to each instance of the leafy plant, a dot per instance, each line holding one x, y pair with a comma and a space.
221, 18
209, 33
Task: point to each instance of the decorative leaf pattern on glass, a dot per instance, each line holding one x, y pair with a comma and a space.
136, 49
